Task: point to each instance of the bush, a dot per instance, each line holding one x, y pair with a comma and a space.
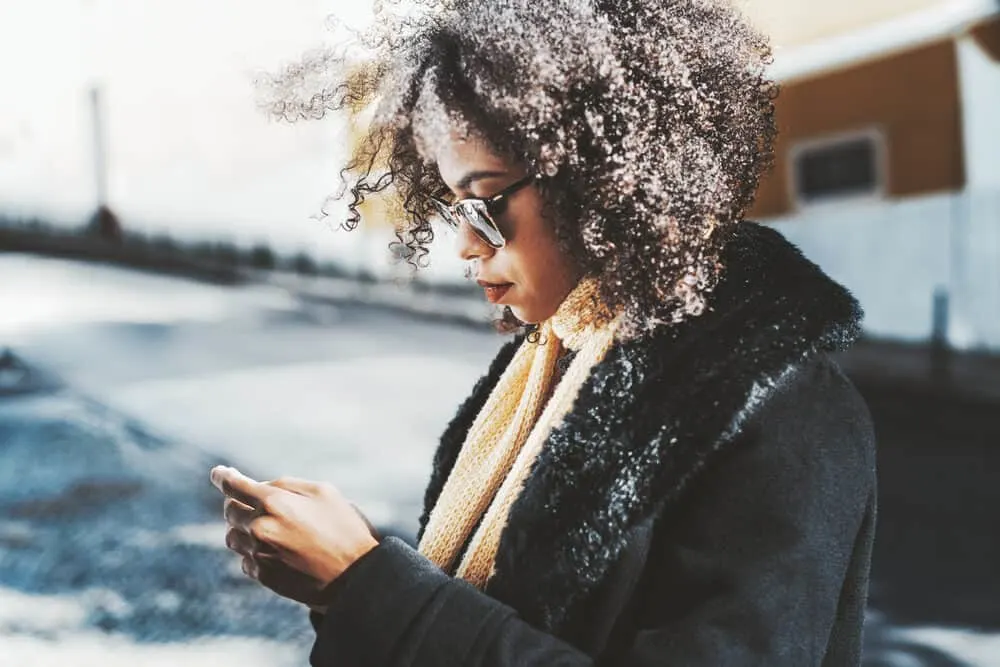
226, 253
262, 257
304, 264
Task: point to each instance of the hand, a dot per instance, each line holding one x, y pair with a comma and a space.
296, 537
260, 564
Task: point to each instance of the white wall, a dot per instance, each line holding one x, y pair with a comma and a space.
976, 270
893, 255
979, 77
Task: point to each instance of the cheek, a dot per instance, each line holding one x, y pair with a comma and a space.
549, 256
532, 254
532, 238
545, 274
535, 260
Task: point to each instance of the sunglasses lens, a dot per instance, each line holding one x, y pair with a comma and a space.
475, 213
445, 212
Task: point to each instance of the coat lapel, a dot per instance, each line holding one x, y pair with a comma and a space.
649, 419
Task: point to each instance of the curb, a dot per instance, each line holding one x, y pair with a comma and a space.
427, 302
424, 302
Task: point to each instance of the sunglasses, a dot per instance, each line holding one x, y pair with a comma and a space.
481, 213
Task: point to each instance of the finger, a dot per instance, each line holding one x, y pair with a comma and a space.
303, 487
232, 501
240, 542
250, 567
238, 515
244, 544
266, 530
236, 485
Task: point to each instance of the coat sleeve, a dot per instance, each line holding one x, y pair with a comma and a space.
751, 575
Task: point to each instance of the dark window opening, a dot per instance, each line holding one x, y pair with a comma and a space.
843, 169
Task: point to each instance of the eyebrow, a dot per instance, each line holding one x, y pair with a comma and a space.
466, 180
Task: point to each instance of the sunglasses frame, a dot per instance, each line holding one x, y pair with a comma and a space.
488, 207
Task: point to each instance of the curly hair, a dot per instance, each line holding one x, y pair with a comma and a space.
650, 122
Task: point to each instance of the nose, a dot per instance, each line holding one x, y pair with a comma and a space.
468, 245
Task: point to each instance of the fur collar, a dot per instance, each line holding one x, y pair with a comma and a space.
649, 419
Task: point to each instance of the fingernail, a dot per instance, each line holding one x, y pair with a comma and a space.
216, 475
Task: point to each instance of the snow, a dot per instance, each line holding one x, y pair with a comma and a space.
167, 375
44, 630
39, 294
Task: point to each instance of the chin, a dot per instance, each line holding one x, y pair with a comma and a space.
523, 316
529, 315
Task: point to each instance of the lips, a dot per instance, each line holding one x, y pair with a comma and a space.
494, 291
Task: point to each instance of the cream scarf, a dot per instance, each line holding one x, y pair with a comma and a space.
509, 431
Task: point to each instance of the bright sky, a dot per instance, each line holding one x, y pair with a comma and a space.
189, 151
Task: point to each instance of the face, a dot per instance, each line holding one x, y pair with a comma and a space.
540, 276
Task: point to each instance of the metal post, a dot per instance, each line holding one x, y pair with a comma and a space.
100, 152
939, 352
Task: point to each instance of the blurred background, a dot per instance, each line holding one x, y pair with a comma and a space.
169, 299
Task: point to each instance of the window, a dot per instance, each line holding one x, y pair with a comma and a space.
838, 168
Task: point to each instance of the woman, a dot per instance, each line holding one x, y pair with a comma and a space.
663, 466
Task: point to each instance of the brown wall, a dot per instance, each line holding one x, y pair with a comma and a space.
988, 36
912, 96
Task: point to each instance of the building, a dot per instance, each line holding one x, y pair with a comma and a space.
887, 166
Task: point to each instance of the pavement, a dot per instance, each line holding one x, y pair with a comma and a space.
441, 303
908, 367
916, 368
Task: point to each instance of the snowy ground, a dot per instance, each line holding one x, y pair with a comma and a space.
110, 536
110, 544
252, 374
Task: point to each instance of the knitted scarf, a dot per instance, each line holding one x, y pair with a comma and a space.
508, 433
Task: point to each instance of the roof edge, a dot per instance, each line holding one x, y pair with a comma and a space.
871, 42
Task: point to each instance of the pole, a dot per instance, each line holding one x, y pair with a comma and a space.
100, 152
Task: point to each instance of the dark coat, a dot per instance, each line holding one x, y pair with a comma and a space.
709, 500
